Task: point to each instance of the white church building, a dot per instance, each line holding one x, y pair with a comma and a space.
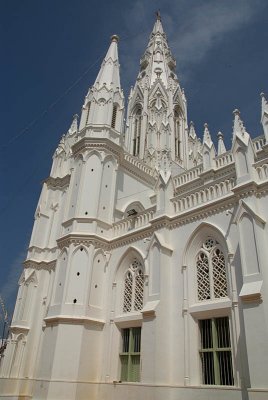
146, 275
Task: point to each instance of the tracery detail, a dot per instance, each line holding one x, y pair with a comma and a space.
137, 132
133, 287
211, 271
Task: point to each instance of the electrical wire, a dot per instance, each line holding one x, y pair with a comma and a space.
52, 105
58, 99
25, 130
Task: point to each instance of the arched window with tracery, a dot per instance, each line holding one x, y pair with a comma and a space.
137, 132
177, 131
133, 287
211, 271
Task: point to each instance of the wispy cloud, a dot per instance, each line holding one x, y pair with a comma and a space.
207, 24
193, 28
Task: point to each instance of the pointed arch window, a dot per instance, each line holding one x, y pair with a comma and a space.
137, 132
133, 287
177, 131
211, 271
114, 114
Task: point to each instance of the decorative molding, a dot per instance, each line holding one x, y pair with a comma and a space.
70, 319
57, 182
251, 292
40, 265
249, 210
15, 328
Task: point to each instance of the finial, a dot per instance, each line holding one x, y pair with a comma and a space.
115, 38
264, 102
236, 112
238, 123
192, 130
207, 137
221, 146
158, 15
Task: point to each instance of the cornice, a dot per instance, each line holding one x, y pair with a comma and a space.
57, 182
15, 328
97, 143
250, 188
70, 319
85, 239
40, 265
136, 168
196, 213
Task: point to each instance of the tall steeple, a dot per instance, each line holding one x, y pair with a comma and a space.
104, 103
109, 72
157, 112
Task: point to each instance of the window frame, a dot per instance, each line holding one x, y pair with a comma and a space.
131, 305
130, 355
210, 254
216, 351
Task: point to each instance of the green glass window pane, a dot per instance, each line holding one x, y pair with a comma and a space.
125, 340
136, 340
134, 373
124, 368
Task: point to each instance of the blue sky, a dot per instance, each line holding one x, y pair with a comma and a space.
47, 46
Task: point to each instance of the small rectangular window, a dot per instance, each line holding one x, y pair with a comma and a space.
114, 116
130, 355
215, 351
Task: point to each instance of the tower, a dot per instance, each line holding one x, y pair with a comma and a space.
146, 271
157, 109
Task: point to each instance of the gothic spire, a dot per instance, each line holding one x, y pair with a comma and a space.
74, 126
221, 145
264, 115
207, 138
157, 60
239, 128
109, 71
192, 132
158, 25
157, 109
104, 102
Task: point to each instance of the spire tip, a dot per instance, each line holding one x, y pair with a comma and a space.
236, 112
158, 15
115, 38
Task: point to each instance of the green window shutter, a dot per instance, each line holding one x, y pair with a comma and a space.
130, 355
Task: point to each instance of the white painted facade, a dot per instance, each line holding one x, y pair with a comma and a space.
142, 229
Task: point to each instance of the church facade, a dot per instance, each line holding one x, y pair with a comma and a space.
146, 274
